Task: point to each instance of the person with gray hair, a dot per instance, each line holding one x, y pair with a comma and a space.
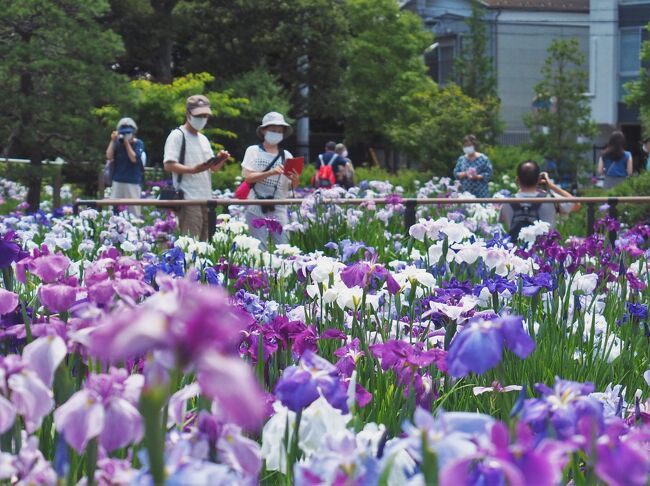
127, 157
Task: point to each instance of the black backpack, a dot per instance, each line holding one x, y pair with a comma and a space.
523, 214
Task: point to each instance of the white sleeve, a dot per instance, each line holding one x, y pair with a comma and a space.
249, 157
173, 146
287, 155
565, 208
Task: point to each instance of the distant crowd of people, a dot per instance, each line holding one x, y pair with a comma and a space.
189, 157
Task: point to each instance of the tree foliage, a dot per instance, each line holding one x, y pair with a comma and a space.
432, 122
562, 122
159, 108
264, 94
474, 68
384, 58
54, 68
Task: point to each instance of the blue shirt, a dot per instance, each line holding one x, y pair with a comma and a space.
483, 166
617, 168
123, 169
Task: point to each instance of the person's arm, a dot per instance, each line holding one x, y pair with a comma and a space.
504, 216
600, 170
630, 166
130, 151
485, 171
458, 172
565, 208
253, 176
110, 150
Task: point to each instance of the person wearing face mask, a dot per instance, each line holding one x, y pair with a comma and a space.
190, 168
263, 169
127, 157
473, 169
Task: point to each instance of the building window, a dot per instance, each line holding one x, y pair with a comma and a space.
441, 61
629, 57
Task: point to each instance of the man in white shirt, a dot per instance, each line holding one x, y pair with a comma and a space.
191, 169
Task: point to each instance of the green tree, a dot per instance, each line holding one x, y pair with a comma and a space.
638, 92
150, 30
562, 122
54, 69
159, 108
264, 93
474, 68
297, 41
431, 123
384, 58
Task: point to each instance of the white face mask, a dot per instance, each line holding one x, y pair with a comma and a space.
345, 154
468, 150
273, 138
198, 122
129, 136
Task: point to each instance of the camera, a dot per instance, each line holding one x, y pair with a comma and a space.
267, 209
120, 137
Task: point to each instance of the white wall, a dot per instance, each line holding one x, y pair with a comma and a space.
603, 75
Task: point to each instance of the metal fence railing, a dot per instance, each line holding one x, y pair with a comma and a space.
410, 204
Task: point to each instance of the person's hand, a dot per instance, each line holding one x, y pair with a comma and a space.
222, 156
295, 177
462, 175
114, 135
471, 173
277, 170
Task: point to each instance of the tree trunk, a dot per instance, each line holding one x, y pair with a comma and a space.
162, 58
35, 180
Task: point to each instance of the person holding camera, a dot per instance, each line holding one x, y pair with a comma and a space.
189, 157
127, 157
263, 169
533, 183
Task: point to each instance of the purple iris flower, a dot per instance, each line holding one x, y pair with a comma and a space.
8, 302
49, 268
621, 456
104, 408
350, 248
300, 385
57, 297
407, 361
479, 346
533, 285
497, 284
272, 225
640, 311
348, 356
561, 408
10, 251
360, 274
517, 463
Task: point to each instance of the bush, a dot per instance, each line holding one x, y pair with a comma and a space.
635, 186
404, 178
506, 158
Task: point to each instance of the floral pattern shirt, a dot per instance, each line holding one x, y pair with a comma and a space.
483, 166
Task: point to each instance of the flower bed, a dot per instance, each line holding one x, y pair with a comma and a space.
357, 354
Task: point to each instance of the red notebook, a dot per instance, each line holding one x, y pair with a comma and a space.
296, 164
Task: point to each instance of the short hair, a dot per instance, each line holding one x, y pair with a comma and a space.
330, 146
471, 139
528, 173
339, 148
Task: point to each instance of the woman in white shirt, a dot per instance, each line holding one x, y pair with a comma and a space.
263, 169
